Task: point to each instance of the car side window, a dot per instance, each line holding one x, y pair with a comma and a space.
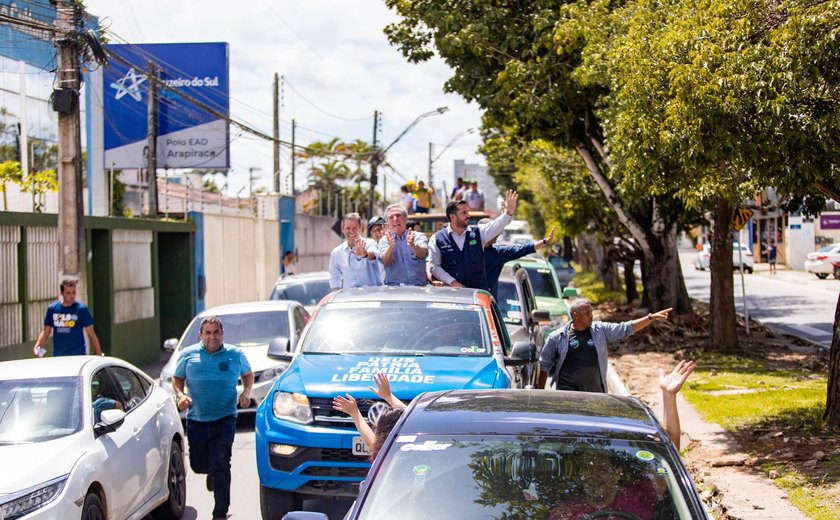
300, 321
103, 394
129, 384
499, 324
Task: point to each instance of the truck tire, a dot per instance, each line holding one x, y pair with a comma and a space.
274, 503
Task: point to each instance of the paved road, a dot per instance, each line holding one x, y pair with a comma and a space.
792, 302
245, 488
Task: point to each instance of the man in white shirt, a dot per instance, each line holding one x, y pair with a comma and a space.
474, 198
353, 263
457, 251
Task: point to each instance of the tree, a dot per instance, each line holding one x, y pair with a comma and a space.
9, 172
519, 61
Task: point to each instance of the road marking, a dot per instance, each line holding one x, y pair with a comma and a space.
813, 331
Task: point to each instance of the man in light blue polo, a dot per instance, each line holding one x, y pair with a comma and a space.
403, 252
353, 263
211, 370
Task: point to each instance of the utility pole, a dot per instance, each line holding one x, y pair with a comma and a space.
151, 159
374, 164
293, 161
431, 147
277, 133
66, 103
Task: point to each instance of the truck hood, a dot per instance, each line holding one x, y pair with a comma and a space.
331, 375
38, 462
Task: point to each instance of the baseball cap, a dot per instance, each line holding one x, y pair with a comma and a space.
376, 221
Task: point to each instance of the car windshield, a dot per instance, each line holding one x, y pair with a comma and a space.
542, 282
247, 329
398, 328
509, 303
426, 476
829, 249
307, 292
38, 410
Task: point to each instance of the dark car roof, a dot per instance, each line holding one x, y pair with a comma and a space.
427, 293
530, 412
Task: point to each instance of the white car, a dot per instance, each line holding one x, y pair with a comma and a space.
820, 262
88, 437
704, 256
263, 330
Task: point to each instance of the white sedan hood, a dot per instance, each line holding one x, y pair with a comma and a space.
258, 358
27, 465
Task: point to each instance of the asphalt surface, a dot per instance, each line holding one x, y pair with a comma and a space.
791, 302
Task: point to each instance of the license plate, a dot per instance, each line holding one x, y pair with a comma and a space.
360, 448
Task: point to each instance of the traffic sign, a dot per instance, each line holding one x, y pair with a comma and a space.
742, 216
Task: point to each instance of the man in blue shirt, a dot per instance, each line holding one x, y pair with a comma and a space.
212, 369
68, 320
403, 251
496, 256
353, 263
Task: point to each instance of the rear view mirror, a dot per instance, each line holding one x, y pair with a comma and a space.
570, 292
170, 345
280, 348
540, 316
110, 420
523, 353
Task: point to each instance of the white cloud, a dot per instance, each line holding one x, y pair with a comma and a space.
334, 53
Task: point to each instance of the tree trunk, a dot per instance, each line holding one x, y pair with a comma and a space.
662, 278
630, 282
584, 251
568, 253
832, 398
721, 298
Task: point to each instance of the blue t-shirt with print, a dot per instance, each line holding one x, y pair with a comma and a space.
68, 324
211, 379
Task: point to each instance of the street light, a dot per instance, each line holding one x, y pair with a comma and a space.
451, 141
379, 155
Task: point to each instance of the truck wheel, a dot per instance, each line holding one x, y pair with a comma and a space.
274, 504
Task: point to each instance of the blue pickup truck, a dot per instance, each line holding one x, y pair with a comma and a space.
423, 338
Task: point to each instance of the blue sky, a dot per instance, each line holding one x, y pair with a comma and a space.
338, 68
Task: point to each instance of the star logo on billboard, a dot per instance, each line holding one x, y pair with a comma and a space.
129, 85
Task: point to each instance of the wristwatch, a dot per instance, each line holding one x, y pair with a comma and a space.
650, 317
545, 241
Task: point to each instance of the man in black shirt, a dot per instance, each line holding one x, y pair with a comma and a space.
576, 355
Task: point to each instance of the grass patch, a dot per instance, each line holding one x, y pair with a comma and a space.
592, 288
813, 499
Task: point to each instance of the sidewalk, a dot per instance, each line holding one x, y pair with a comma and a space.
746, 493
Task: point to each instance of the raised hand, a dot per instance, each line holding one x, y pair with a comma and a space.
347, 405
389, 237
383, 387
359, 248
550, 236
510, 202
661, 315
673, 382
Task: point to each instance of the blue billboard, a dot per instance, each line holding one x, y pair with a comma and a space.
26, 41
189, 135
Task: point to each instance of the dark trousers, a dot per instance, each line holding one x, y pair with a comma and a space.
210, 448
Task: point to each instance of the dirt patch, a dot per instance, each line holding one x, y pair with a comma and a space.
773, 447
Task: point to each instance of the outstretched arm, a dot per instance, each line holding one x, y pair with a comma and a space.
670, 385
383, 390
643, 322
348, 405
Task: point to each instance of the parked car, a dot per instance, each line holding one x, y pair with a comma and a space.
88, 437
265, 331
704, 257
306, 288
533, 454
565, 271
547, 289
821, 262
521, 238
523, 321
423, 338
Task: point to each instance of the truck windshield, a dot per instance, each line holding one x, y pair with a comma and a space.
542, 281
398, 327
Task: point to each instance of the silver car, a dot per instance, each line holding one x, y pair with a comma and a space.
263, 330
306, 288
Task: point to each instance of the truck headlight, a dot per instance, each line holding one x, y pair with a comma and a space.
29, 500
292, 407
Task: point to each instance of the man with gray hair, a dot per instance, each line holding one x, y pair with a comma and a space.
403, 251
576, 354
353, 263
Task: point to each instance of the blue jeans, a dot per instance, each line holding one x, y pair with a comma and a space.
210, 449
